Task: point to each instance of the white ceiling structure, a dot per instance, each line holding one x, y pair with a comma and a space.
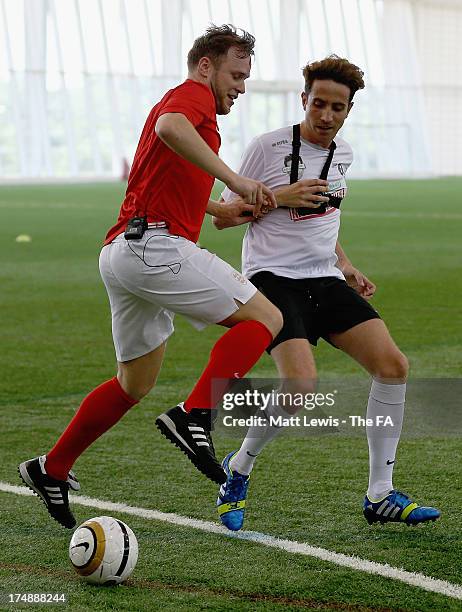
78, 77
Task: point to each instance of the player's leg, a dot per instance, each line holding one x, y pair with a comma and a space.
103, 408
138, 376
293, 357
254, 325
140, 346
188, 425
297, 372
100, 410
371, 345
211, 291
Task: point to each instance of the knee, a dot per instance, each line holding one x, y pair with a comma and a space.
141, 391
134, 388
394, 367
274, 320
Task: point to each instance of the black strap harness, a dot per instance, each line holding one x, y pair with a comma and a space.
333, 200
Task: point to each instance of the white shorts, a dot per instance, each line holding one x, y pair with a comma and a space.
149, 280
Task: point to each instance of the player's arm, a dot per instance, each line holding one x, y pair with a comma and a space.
298, 195
356, 279
302, 194
179, 134
233, 209
234, 212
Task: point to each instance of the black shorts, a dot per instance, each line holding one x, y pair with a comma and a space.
313, 308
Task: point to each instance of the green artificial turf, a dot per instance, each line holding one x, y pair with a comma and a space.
56, 346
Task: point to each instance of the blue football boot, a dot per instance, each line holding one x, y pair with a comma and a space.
397, 507
231, 498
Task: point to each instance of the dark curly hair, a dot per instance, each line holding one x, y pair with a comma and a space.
337, 69
217, 40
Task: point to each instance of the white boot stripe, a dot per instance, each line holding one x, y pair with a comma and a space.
383, 506
202, 444
388, 510
201, 436
395, 512
193, 428
56, 501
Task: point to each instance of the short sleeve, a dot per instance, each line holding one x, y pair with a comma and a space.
345, 154
350, 155
252, 165
193, 100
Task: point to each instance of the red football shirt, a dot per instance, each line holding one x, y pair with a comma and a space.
162, 185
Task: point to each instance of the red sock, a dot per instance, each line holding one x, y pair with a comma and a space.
99, 411
231, 357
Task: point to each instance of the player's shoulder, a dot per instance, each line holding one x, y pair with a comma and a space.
275, 138
343, 148
270, 141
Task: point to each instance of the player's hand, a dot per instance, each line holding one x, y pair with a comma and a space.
253, 192
303, 194
233, 209
236, 212
359, 282
224, 222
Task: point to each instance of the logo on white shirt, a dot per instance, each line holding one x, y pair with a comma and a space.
288, 166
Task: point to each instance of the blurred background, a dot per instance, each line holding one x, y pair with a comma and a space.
78, 78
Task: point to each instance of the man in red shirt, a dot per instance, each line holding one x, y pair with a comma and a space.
152, 268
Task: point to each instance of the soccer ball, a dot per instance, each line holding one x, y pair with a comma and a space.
103, 550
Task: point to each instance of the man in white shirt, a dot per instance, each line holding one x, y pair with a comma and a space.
293, 256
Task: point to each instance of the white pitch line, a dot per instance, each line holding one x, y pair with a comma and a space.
356, 563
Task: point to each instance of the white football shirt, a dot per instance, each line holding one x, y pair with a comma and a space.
284, 241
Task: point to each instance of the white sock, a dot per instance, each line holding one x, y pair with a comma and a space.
256, 439
384, 401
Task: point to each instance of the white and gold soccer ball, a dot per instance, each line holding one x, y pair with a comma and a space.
103, 550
